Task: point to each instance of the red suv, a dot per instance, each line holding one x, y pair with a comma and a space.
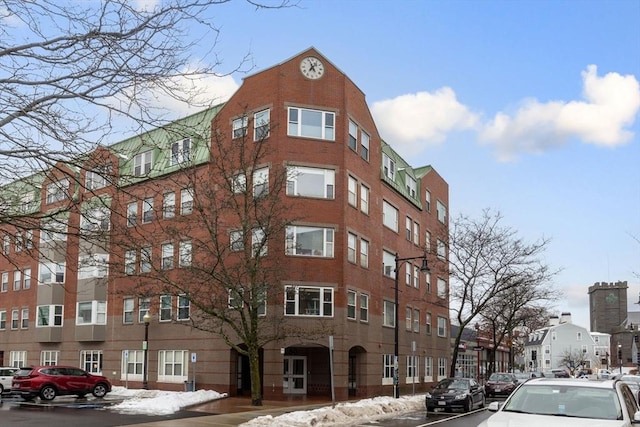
51, 381
501, 383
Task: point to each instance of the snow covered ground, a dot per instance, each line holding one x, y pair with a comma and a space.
158, 402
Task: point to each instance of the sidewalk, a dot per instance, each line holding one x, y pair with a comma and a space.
233, 411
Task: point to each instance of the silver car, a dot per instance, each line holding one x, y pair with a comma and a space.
564, 402
6, 378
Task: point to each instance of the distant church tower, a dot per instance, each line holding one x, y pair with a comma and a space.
607, 306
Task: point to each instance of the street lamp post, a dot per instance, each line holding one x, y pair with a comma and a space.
425, 268
620, 356
145, 347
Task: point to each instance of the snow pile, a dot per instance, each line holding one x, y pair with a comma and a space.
159, 402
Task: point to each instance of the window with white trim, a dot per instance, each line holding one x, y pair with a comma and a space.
6, 245
261, 121
442, 211
303, 181
351, 305
186, 201
26, 283
166, 308
145, 259
19, 243
51, 272
388, 313
236, 242
142, 163
389, 167
17, 280
364, 307
91, 361
408, 223
416, 320
132, 365
364, 253
172, 365
364, 145
389, 264
3, 320
308, 301
169, 205
416, 233
442, 367
389, 216
441, 250
364, 199
239, 183
428, 323
18, 359
130, 262
180, 152
416, 276
53, 230
15, 318
353, 136
147, 210
352, 240
91, 313
128, 310
24, 317
412, 369
49, 315
442, 327
427, 241
427, 200
259, 245
311, 123
184, 256
352, 191
408, 318
5, 282
309, 241
442, 288
95, 265
57, 191
167, 256
184, 308
412, 186
428, 368
260, 182
388, 368
239, 127
95, 219
98, 178
144, 305
132, 214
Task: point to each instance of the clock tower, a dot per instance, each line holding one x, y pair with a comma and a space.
607, 306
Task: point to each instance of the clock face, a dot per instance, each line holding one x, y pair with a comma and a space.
311, 67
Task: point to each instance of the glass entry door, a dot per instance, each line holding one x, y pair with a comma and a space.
295, 375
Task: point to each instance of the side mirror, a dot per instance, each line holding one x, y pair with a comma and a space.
494, 406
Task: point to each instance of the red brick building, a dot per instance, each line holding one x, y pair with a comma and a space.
77, 284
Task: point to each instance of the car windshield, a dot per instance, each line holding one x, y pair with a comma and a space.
569, 401
522, 376
453, 383
500, 377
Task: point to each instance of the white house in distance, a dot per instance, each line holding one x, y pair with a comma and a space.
547, 348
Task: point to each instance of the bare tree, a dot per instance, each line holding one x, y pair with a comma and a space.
573, 359
488, 264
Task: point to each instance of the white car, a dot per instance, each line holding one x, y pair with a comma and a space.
604, 374
566, 402
6, 378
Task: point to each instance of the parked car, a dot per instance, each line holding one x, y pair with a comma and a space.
6, 378
460, 393
47, 382
500, 383
561, 402
603, 374
560, 373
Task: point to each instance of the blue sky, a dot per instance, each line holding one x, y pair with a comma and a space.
530, 108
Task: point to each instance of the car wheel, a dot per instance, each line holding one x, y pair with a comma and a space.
100, 390
48, 393
468, 404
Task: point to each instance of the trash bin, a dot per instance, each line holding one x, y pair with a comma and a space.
188, 385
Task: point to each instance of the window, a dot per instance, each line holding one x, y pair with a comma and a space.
388, 314
53, 230
15, 318
28, 239
364, 308
389, 264
26, 202
353, 136
310, 182
26, 283
169, 205
186, 201
364, 198
130, 262
416, 233
5, 282
261, 125
95, 180
578, 334
416, 320
427, 241
172, 365
132, 214
389, 216
388, 368
132, 364
91, 361
57, 191
389, 167
239, 183
408, 273
142, 163
407, 227
364, 253
442, 250
96, 265
309, 241
17, 280
49, 315
308, 301
51, 272
147, 210
412, 186
145, 259
95, 219
428, 324
258, 242
18, 241
166, 308
416, 276
6, 245
427, 200
351, 305
442, 327
236, 242
167, 256
3, 320
428, 368
144, 304
351, 247
442, 367
412, 369
239, 127
185, 254
408, 322
311, 123
24, 323
235, 299
184, 307
180, 151
260, 182
364, 146
91, 313
49, 357
442, 288
18, 359
128, 307
442, 211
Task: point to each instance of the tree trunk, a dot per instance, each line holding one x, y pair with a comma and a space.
256, 385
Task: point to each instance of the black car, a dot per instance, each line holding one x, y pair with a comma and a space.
459, 393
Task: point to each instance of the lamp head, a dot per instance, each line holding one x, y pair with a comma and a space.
146, 318
424, 267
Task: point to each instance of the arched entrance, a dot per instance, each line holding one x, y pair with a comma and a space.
356, 369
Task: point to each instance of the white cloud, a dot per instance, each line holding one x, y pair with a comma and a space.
610, 105
410, 122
